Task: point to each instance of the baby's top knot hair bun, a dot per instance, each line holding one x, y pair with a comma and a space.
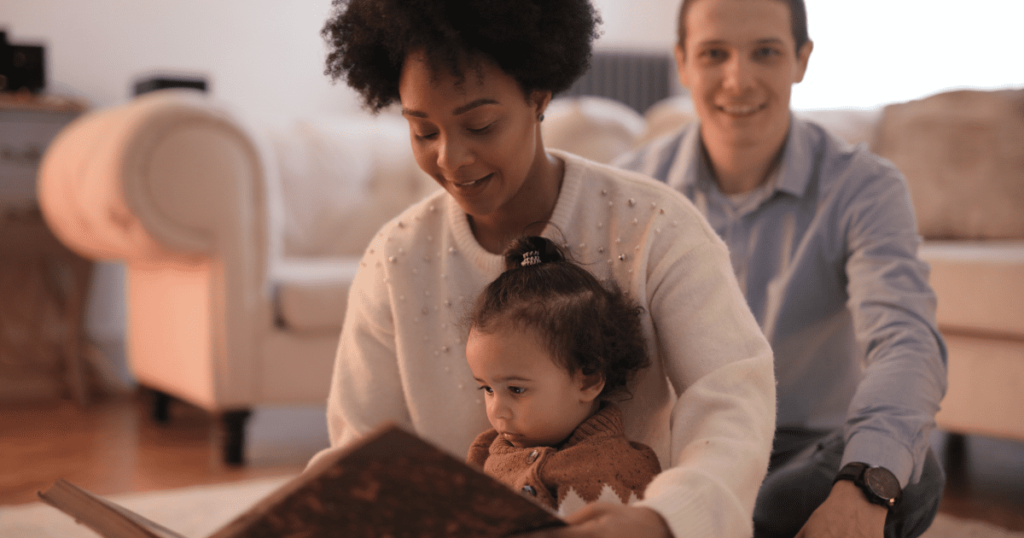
528, 251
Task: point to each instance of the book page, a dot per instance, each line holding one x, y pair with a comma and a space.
107, 518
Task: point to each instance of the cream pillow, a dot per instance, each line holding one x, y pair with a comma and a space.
963, 155
667, 116
597, 128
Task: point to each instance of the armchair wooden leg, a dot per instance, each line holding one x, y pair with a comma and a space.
161, 407
234, 435
956, 457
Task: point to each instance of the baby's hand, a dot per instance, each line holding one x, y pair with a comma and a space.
609, 519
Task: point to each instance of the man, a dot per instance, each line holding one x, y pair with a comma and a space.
824, 244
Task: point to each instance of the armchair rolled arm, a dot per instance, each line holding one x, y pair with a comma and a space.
168, 177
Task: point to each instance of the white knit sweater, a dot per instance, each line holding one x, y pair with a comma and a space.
402, 351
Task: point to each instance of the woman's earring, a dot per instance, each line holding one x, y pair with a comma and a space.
540, 117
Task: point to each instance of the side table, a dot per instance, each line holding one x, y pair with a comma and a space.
43, 292
43, 285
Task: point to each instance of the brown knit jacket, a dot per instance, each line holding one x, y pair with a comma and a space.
596, 455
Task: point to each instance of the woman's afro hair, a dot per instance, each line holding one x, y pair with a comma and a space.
542, 44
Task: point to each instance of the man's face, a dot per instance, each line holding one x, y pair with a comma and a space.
740, 63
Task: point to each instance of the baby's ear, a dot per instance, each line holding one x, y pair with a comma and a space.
591, 385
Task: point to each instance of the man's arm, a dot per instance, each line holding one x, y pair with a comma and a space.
893, 308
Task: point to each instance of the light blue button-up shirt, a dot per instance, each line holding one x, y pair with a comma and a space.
826, 252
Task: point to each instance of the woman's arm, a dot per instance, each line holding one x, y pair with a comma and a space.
365, 386
721, 367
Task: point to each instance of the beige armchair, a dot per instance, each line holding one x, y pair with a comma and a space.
240, 237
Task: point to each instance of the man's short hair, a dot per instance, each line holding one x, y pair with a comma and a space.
797, 18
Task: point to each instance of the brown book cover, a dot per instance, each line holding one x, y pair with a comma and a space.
391, 483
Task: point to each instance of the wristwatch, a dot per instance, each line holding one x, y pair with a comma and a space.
879, 485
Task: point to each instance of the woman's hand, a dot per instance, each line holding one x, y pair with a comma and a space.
609, 519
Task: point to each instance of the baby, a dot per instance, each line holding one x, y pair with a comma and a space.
549, 346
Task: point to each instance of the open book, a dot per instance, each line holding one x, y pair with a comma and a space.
391, 483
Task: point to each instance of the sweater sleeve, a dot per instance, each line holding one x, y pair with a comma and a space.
366, 386
721, 368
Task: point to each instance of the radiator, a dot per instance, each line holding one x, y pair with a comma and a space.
638, 79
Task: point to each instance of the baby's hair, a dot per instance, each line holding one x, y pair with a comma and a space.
589, 327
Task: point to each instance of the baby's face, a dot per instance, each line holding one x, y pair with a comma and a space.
531, 400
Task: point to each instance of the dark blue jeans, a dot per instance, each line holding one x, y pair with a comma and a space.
800, 475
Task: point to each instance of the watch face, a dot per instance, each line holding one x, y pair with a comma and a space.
882, 482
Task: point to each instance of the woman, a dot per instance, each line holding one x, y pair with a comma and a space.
473, 79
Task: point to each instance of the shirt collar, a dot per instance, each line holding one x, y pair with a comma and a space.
693, 171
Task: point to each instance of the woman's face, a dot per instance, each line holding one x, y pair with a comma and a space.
478, 137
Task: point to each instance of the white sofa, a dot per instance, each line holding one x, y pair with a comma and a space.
241, 235
240, 238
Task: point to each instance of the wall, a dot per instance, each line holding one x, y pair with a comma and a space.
871, 52
261, 55
267, 55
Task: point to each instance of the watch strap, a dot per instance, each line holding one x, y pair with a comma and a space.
851, 471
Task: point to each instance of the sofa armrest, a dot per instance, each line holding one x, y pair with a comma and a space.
168, 177
176, 186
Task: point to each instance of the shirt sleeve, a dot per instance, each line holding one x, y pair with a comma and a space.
721, 368
893, 308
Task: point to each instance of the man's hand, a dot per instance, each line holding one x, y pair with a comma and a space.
845, 513
609, 519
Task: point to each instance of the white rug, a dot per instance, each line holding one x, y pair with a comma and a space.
197, 512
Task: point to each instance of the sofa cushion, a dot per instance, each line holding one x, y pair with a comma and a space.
667, 116
984, 395
341, 179
979, 284
963, 156
597, 128
853, 125
310, 295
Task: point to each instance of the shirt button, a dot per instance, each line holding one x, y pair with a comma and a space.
532, 457
529, 489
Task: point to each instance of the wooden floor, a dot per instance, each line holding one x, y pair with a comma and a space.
113, 446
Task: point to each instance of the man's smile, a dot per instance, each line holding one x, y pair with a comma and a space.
741, 110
